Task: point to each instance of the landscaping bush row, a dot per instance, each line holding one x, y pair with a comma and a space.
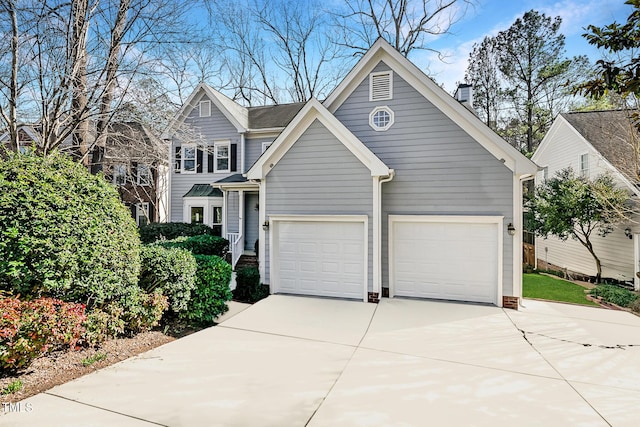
615, 295
70, 249
171, 230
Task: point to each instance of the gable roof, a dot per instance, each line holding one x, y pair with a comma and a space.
234, 112
273, 116
467, 120
611, 134
311, 112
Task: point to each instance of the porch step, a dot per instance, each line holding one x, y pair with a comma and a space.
247, 261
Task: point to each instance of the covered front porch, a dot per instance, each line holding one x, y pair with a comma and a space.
240, 215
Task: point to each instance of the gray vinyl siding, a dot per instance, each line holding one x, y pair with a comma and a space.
208, 129
440, 169
252, 220
253, 150
320, 176
233, 212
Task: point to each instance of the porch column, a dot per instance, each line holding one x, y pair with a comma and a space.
224, 213
241, 213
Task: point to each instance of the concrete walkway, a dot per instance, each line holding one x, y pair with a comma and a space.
295, 361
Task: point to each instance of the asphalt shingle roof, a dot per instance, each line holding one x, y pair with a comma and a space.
273, 116
612, 134
203, 190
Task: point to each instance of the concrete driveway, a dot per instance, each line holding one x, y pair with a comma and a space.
295, 361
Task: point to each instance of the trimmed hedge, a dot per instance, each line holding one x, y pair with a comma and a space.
248, 286
614, 294
171, 271
171, 230
64, 233
204, 244
209, 298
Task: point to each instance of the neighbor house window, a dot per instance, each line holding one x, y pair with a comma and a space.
381, 118
188, 157
205, 108
545, 173
144, 174
221, 151
266, 145
584, 165
380, 86
197, 215
120, 174
142, 213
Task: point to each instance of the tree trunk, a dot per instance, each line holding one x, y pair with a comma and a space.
587, 244
79, 82
11, 118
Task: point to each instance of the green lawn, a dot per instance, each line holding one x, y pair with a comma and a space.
554, 289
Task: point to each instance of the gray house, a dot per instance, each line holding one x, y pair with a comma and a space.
388, 187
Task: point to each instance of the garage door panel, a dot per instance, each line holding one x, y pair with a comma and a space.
445, 260
320, 258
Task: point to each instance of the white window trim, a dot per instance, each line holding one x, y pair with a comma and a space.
142, 208
266, 145
114, 175
217, 144
140, 179
203, 103
195, 157
391, 118
371, 78
584, 171
207, 203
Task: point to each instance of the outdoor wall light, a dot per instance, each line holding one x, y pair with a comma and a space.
265, 226
627, 232
511, 229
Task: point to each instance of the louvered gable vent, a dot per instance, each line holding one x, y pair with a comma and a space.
380, 86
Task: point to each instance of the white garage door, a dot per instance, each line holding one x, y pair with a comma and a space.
319, 258
444, 259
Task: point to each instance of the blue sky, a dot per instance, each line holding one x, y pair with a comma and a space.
492, 16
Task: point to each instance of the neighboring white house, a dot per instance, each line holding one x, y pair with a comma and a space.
390, 186
594, 143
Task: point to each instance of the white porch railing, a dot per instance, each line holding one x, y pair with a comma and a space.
236, 245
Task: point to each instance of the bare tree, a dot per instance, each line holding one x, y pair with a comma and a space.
483, 74
405, 24
11, 83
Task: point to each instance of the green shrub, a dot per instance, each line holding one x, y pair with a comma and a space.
64, 233
209, 298
103, 324
145, 310
204, 244
635, 305
171, 230
172, 271
31, 328
248, 287
614, 294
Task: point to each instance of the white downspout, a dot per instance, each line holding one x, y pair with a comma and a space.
377, 230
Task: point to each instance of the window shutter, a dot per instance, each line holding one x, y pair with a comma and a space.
234, 157
177, 165
134, 172
210, 159
199, 161
132, 207
152, 212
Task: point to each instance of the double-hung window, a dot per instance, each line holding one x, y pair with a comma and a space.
188, 156
144, 174
222, 156
584, 165
120, 174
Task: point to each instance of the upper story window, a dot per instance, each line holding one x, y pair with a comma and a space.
584, 165
381, 86
144, 174
119, 174
381, 118
205, 108
266, 145
221, 153
188, 157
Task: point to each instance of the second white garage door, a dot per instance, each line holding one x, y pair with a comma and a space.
323, 258
445, 257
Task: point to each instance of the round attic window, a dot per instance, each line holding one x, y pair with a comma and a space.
381, 118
